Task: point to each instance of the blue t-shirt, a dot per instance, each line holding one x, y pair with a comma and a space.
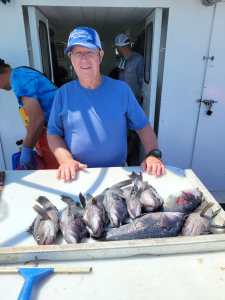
30, 83
94, 123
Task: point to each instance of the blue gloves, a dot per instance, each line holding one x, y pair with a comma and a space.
27, 158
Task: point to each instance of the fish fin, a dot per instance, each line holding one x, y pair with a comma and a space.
93, 200
42, 200
121, 184
133, 175
205, 209
30, 229
41, 212
68, 200
82, 200
215, 213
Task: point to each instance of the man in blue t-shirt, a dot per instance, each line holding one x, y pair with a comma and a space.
90, 116
35, 94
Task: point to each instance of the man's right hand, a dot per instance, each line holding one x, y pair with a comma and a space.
68, 170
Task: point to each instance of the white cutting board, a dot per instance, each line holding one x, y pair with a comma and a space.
22, 188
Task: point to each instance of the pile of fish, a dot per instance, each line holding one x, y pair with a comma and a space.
131, 209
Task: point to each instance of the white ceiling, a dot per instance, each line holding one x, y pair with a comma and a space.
107, 21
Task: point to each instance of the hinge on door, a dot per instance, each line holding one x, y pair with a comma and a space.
209, 58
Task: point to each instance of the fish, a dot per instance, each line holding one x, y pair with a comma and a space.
152, 225
46, 225
71, 221
150, 199
185, 201
134, 206
94, 216
142, 197
122, 188
115, 207
201, 221
138, 180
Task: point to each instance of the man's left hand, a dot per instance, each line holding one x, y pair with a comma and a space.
27, 159
153, 166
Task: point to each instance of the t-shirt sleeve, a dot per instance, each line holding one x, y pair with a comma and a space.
135, 114
25, 84
55, 123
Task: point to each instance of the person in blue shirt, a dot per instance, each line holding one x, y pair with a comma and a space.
131, 65
35, 94
90, 116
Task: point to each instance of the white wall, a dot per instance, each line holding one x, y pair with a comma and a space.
13, 51
187, 43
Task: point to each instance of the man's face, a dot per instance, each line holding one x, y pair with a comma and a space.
4, 80
86, 62
122, 51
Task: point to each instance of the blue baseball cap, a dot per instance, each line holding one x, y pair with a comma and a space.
121, 40
83, 36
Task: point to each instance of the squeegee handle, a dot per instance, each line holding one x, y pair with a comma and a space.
26, 291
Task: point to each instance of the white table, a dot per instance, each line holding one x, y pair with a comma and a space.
183, 276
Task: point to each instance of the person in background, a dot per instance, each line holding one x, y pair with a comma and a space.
131, 65
90, 116
131, 70
35, 94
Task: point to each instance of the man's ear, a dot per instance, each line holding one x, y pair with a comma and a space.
101, 55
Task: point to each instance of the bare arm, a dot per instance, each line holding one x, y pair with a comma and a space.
148, 138
59, 149
150, 164
68, 167
36, 121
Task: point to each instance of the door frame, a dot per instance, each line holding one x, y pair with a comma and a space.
151, 70
102, 3
35, 17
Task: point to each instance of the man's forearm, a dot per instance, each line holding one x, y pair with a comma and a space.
148, 138
34, 130
59, 149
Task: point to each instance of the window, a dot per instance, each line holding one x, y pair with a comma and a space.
148, 52
45, 55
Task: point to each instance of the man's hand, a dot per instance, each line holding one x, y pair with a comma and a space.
153, 166
68, 170
27, 159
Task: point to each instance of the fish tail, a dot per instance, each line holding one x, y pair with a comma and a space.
43, 201
133, 175
41, 212
82, 200
68, 200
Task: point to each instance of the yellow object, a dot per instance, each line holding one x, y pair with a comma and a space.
24, 116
